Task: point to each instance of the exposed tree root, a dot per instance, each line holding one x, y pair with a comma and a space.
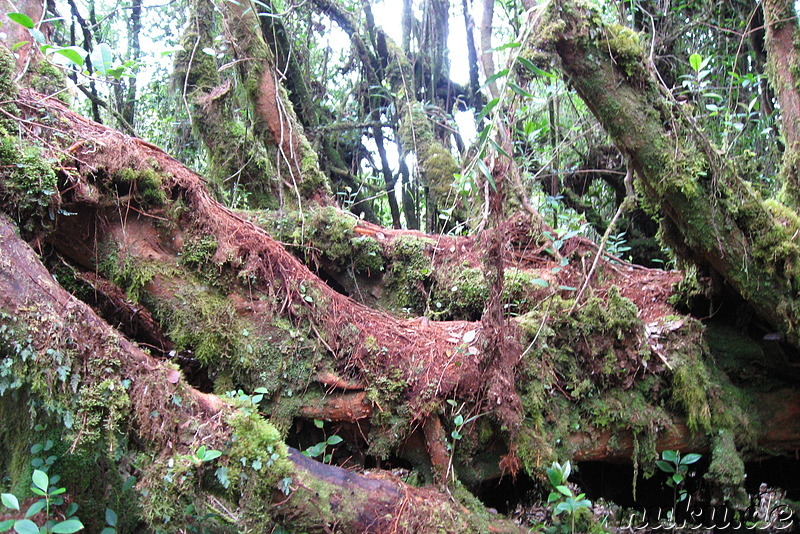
326, 498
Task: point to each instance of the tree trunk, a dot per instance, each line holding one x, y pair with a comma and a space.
780, 19
711, 215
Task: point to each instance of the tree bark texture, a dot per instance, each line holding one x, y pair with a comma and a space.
711, 215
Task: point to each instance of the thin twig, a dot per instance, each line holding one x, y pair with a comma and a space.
629, 198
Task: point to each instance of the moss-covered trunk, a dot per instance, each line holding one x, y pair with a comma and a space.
710, 214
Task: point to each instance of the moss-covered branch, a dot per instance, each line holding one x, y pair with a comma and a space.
710, 214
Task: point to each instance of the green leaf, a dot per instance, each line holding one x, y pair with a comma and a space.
696, 61
6, 525
519, 90
554, 475
665, 466
540, 282
334, 440
111, 517
534, 69
487, 173
566, 469
212, 455
102, 58
14, 48
26, 526
319, 423
35, 508
37, 35
10, 501
109, 530
21, 19
494, 77
487, 109
67, 527
201, 453
40, 479
129, 483
564, 490
71, 509
498, 147
74, 54
670, 456
458, 420
690, 458
678, 478
512, 44
37, 448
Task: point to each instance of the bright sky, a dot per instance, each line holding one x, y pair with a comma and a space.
388, 12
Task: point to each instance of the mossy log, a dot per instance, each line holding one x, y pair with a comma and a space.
292, 489
232, 299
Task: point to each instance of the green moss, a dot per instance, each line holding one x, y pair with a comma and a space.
128, 272
48, 79
327, 238
625, 45
28, 186
198, 250
146, 185
410, 273
256, 445
702, 391
459, 293
207, 325
726, 472
8, 67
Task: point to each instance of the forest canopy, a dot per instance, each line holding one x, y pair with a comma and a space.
430, 266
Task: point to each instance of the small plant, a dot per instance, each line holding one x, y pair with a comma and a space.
320, 449
111, 522
562, 499
205, 455
676, 467
41, 486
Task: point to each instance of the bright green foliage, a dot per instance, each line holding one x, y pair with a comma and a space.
563, 500
677, 469
43, 486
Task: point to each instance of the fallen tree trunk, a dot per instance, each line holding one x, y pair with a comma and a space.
40, 316
232, 299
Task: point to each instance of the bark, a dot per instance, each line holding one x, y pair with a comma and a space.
229, 295
780, 19
710, 214
472, 53
296, 162
315, 498
487, 56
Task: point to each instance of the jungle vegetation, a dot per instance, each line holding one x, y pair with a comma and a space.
339, 266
